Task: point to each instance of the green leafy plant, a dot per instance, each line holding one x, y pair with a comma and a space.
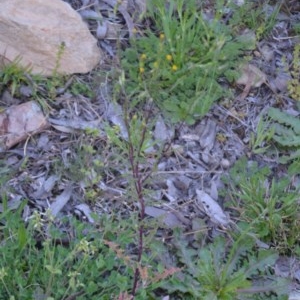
91, 265
81, 88
267, 207
286, 132
224, 271
56, 78
180, 66
259, 140
132, 148
12, 76
254, 16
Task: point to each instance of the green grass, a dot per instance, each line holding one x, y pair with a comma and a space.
56, 266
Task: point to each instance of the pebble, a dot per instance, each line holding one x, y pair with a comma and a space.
225, 163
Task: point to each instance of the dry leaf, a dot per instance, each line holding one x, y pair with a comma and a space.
212, 209
251, 77
169, 218
61, 201
85, 209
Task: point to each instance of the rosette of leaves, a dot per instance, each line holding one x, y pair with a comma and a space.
223, 271
180, 64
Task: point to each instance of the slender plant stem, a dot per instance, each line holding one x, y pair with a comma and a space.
134, 155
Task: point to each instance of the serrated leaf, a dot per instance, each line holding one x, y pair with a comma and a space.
285, 118
286, 140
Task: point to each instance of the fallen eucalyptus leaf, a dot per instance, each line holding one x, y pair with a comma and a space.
84, 208
169, 218
212, 208
61, 201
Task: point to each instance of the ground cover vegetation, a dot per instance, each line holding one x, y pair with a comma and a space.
179, 68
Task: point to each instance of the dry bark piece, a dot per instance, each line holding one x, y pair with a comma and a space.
47, 36
19, 122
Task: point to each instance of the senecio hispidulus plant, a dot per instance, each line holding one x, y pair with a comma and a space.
181, 65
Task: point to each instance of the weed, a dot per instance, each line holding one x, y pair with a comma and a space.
84, 166
267, 207
179, 68
286, 130
81, 88
57, 79
134, 148
259, 139
91, 265
12, 76
255, 17
223, 271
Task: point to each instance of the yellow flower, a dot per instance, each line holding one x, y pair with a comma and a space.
174, 68
169, 57
155, 64
143, 56
161, 36
142, 70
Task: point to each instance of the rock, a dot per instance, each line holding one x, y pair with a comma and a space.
48, 36
19, 122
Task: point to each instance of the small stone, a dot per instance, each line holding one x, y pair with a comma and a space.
225, 163
257, 54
